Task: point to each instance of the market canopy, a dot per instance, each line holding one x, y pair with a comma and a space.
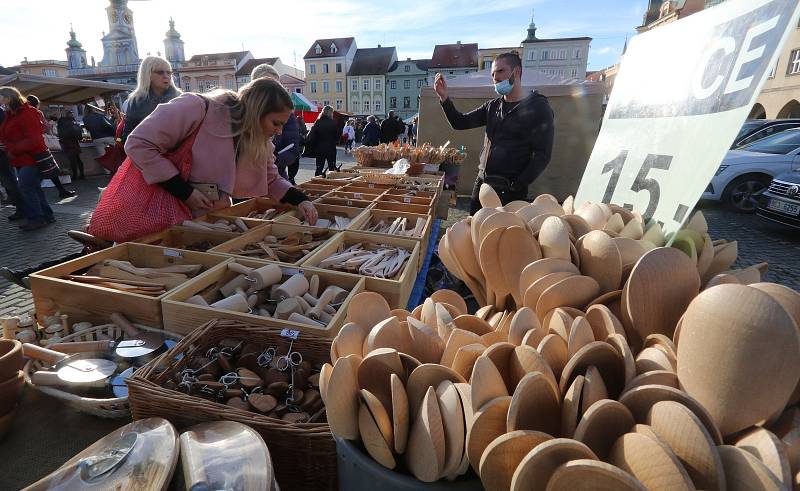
301, 103
54, 90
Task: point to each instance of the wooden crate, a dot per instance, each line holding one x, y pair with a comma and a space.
259, 205
95, 303
329, 181
355, 195
374, 216
181, 317
352, 203
356, 215
277, 229
402, 207
180, 237
317, 187
366, 187
412, 193
406, 200
214, 217
396, 291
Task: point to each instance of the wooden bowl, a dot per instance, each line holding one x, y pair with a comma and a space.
10, 391
739, 355
10, 358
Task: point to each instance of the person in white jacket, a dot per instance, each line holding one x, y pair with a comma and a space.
350, 136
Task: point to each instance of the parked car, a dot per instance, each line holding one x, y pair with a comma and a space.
744, 174
781, 201
756, 129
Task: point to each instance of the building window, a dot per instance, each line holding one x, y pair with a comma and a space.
339, 86
487, 64
377, 84
532, 55
393, 84
366, 84
577, 53
187, 86
354, 85
229, 84
313, 86
326, 103
318, 49
794, 64
377, 106
334, 49
406, 84
298, 90
406, 102
774, 70
366, 106
407, 68
355, 106
325, 86
312, 68
419, 83
324, 68
562, 54
545, 54
574, 73
338, 104
338, 68
393, 103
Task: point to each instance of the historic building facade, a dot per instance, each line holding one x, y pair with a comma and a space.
366, 80
327, 62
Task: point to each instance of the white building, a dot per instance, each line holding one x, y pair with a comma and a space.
366, 80
563, 57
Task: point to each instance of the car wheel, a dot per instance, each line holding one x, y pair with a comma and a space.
742, 193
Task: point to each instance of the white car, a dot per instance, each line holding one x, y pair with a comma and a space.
745, 173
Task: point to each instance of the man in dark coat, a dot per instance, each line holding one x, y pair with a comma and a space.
286, 157
391, 128
8, 179
69, 136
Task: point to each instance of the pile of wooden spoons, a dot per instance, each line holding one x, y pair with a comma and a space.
289, 248
268, 292
376, 260
339, 222
398, 227
124, 276
233, 224
579, 398
269, 214
602, 241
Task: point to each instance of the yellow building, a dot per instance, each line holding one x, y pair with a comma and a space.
327, 62
781, 93
46, 68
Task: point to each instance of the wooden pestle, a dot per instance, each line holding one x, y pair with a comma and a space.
316, 311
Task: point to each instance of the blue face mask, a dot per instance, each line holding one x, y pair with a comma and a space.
506, 86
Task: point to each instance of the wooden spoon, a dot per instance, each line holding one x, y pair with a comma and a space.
602, 424
524, 360
575, 291
373, 439
770, 450
601, 259
577, 225
425, 376
592, 475
425, 454
534, 406
603, 322
388, 333
542, 267
372, 308
488, 197
594, 389
454, 426
534, 337
553, 349
503, 455
324, 380
476, 222
466, 404
458, 339
580, 334
559, 323
538, 465
603, 356
379, 415
531, 296
554, 239
649, 461
523, 321
491, 266
486, 383
428, 347
488, 423
450, 297
686, 436
465, 359
619, 343
399, 414
473, 324
349, 341
655, 377
375, 372
571, 407
518, 249
744, 472
341, 402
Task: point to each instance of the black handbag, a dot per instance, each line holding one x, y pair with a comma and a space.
47, 165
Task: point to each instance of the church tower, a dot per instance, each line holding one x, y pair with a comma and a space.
173, 45
76, 55
119, 45
531, 31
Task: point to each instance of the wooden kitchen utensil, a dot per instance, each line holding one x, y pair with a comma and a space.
592, 475
743, 471
534, 406
425, 454
650, 461
488, 423
503, 455
453, 424
536, 468
601, 424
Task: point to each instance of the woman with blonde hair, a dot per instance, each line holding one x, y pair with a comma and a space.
154, 86
224, 147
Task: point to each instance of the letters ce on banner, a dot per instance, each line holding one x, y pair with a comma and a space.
681, 95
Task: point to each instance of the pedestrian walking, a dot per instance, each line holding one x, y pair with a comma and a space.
350, 136
323, 138
8, 179
50, 164
372, 132
69, 137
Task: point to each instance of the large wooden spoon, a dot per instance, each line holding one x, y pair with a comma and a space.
488, 423
536, 468
425, 454
592, 475
602, 424
503, 455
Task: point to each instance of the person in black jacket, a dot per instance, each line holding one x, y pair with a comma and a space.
99, 127
69, 136
8, 179
519, 132
391, 128
372, 133
323, 138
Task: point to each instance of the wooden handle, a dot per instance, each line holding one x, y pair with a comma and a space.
46, 378
42, 354
120, 321
82, 346
239, 268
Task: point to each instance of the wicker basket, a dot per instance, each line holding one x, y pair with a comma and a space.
378, 176
114, 407
304, 454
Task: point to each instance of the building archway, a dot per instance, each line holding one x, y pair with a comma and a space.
790, 110
758, 112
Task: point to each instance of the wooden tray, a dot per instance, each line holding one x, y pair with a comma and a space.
402, 207
280, 229
366, 187
185, 238
255, 204
352, 203
355, 195
182, 317
356, 215
397, 291
406, 200
95, 303
374, 216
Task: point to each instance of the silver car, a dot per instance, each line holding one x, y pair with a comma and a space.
745, 173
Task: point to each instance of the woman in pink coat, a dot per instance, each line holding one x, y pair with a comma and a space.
232, 149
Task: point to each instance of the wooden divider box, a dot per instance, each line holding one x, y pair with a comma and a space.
216, 218
94, 303
411, 193
230, 247
189, 239
355, 195
257, 205
406, 200
366, 187
352, 203
374, 216
317, 187
329, 181
395, 291
330, 212
402, 207
181, 317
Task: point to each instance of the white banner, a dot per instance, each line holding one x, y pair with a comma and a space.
681, 96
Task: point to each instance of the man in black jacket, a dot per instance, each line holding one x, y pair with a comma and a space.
8, 179
519, 132
391, 128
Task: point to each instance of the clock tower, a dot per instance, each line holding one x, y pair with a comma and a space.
119, 45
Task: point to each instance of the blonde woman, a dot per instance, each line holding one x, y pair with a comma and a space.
154, 86
227, 137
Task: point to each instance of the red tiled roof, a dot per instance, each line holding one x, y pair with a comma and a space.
342, 46
454, 55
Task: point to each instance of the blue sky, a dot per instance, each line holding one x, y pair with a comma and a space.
287, 29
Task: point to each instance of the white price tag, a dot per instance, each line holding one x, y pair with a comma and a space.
172, 253
290, 333
349, 203
406, 200
371, 185
357, 195
682, 93
291, 271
